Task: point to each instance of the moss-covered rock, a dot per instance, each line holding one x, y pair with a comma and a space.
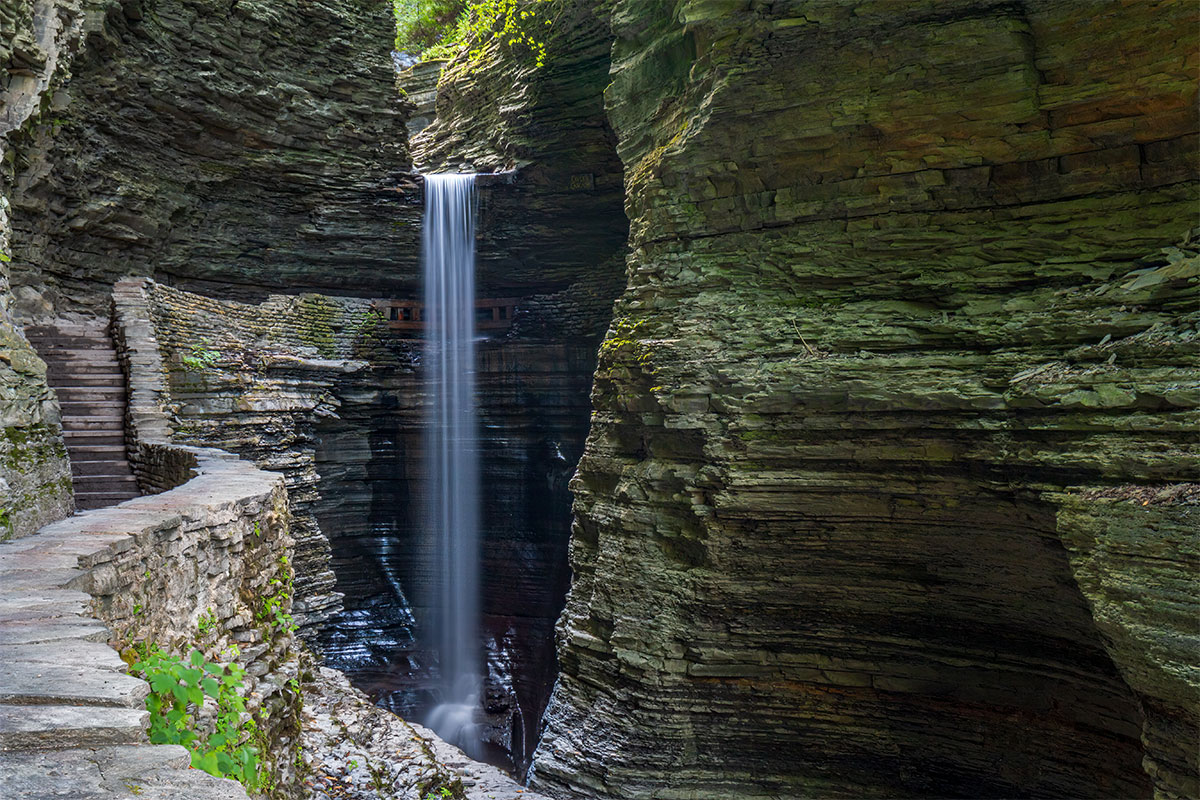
900, 279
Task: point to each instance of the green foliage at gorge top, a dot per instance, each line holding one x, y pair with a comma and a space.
422, 24
443, 28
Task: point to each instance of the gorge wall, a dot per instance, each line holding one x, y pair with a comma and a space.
889, 486
35, 477
233, 148
229, 147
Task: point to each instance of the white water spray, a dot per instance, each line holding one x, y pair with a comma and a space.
448, 251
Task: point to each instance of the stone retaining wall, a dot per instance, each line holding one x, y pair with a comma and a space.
190, 567
263, 379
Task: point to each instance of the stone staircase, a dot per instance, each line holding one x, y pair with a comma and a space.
83, 369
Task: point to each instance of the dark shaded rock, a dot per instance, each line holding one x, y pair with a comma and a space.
226, 147
37, 40
534, 412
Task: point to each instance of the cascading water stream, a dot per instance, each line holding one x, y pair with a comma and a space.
448, 252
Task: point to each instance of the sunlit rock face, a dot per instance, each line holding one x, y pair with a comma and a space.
883, 493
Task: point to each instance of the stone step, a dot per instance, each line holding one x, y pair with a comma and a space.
110, 422
150, 772
92, 408
37, 631
35, 683
97, 655
67, 327
93, 437
96, 351
85, 376
88, 501
68, 371
41, 727
107, 483
103, 395
92, 469
70, 343
98, 452
90, 381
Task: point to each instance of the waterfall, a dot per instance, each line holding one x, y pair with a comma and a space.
448, 252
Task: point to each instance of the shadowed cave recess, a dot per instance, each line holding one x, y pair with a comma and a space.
836, 365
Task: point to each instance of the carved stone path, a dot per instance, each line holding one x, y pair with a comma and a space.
72, 722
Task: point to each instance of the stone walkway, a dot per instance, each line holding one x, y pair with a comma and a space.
72, 722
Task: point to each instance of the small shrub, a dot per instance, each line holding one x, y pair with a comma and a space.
207, 622
177, 692
436, 29
199, 358
421, 24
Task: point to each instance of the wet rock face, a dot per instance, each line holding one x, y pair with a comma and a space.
229, 147
907, 294
534, 412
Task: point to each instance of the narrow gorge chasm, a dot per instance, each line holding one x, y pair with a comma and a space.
608, 399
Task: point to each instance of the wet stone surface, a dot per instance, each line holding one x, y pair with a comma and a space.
354, 750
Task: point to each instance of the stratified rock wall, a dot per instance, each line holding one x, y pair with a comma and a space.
36, 43
227, 146
910, 288
559, 220
256, 380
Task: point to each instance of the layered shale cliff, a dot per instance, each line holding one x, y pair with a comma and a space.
890, 484
229, 147
36, 41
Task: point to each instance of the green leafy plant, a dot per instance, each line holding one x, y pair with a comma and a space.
426, 27
199, 358
421, 24
207, 621
6, 524
272, 611
177, 692
439, 794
